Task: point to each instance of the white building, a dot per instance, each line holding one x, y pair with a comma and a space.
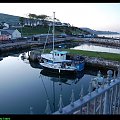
6, 26
12, 33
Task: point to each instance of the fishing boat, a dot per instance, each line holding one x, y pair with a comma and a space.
56, 61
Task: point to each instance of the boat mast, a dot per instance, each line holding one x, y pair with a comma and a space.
53, 33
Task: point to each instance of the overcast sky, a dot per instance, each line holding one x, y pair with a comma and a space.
98, 16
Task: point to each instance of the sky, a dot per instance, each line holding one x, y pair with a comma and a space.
97, 16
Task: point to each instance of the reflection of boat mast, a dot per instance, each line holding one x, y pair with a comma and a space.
60, 83
54, 96
48, 108
54, 93
44, 88
47, 93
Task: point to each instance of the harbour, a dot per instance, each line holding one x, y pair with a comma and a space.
28, 88
42, 84
48, 66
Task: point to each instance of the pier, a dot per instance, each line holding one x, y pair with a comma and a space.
106, 41
16, 45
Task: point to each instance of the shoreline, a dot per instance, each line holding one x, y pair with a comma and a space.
16, 45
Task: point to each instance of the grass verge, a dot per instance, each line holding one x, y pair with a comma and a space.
104, 55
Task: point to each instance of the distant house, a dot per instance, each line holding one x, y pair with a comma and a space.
66, 24
32, 22
58, 24
5, 25
90, 35
11, 33
3, 37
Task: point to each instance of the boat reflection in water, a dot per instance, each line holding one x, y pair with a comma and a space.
35, 65
54, 85
63, 78
63, 81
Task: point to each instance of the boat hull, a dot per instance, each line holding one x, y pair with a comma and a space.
57, 71
79, 75
62, 71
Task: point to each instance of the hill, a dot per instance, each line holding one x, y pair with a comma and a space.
10, 19
98, 32
28, 31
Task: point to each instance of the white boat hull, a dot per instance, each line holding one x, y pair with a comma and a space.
57, 69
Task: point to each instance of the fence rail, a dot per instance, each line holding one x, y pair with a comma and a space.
104, 100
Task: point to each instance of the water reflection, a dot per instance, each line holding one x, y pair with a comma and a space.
23, 84
63, 78
1, 58
35, 64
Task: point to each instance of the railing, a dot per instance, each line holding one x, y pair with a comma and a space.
104, 100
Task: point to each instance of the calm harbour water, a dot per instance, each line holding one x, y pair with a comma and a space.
23, 86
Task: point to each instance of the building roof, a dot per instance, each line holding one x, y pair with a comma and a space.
7, 31
59, 52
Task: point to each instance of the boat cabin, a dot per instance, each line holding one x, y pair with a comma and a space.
59, 55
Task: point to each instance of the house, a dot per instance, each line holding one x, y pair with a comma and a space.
32, 22
3, 37
11, 33
5, 25
58, 24
66, 24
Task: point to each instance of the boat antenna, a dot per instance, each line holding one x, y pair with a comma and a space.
53, 33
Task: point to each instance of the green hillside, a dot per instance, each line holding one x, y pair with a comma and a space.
27, 31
